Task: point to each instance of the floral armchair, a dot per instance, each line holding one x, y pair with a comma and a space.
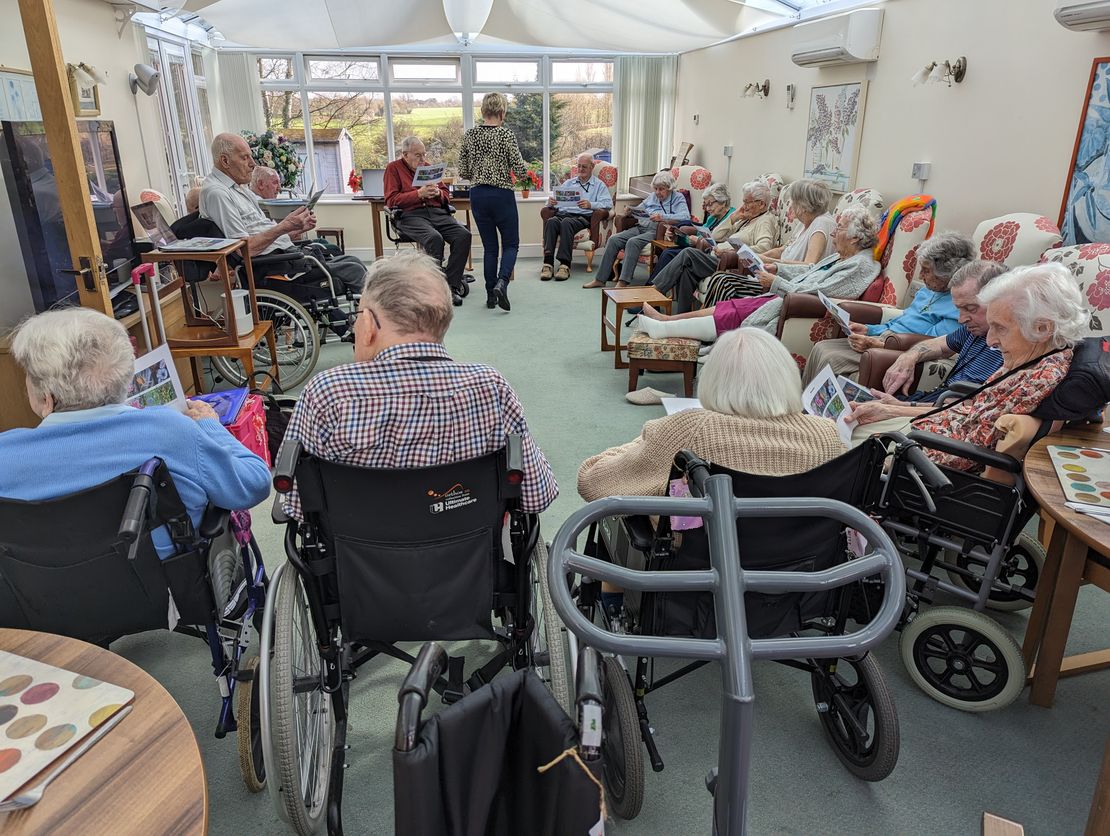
593, 237
694, 179
1090, 263
1016, 239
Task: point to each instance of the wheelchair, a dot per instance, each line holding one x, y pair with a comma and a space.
504, 760
796, 574
853, 702
394, 234
112, 583
303, 310
386, 556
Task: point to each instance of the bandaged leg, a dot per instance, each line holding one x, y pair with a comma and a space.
695, 327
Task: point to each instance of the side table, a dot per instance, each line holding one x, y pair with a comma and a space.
623, 299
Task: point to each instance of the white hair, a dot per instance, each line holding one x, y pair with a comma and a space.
750, 374
717, 192
662, 180
757, 190
860, 226
1042, 293
409, 289
260, 173
408, 142
224, 144
78, 356
810, 197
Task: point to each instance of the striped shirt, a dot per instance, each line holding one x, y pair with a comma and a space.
975, 362
404, 410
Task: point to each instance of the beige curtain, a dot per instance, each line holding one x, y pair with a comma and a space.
240, 105
645, 114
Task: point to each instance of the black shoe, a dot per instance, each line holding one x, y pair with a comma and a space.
501, 294
456, 299
469, 278
491, 299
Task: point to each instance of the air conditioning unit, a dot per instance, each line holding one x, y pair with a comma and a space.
850, 38
1083, 14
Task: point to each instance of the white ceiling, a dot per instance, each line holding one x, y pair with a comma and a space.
605, 25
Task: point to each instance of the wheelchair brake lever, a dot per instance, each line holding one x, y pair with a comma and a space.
921, 489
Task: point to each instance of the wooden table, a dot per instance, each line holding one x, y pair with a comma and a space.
1073, 539
657, 247
145, 776
625, 298
377, 205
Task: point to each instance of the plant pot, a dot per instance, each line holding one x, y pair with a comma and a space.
524, 193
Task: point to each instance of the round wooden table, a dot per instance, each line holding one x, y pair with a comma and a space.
1074, 537
144, 777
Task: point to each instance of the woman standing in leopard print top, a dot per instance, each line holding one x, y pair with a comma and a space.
489, 154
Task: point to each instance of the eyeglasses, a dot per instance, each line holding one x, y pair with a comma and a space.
377, 322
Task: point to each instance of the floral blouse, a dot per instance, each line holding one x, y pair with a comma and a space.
973, 420
489, 153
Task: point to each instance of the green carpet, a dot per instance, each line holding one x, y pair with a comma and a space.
1033, 765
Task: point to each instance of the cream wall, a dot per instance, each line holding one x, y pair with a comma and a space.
999, 142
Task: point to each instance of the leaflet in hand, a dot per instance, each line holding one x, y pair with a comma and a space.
824, 397
155, 382
427, 174
567, 197
746, 254
839, 314
705, 232
853, 391
638, 212
312, 200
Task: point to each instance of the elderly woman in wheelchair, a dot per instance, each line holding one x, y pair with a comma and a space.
121, 540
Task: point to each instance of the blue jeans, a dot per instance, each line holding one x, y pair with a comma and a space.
495, 212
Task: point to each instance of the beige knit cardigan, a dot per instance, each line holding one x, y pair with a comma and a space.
767, 446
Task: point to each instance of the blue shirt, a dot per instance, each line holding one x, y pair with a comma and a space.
73, 451
975, 362
592, 190
673, 209
931, 313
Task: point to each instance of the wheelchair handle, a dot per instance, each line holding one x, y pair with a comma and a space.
695, 468
286, 466
138, 500
926, 468
430, 664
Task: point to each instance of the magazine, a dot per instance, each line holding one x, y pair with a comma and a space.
839, 314
824, 397
567, 197
197, 245
428, 174
155, 382
746, 254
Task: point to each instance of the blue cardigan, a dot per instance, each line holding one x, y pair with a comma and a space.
73, 451
931, 313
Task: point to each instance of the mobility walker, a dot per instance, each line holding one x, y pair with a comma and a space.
112, 584
731, 584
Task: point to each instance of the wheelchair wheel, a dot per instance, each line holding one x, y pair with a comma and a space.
296, 337
249, 717
225, 568
963, 659
621, 752
549, 640
1021, 566
858, 716
302, 727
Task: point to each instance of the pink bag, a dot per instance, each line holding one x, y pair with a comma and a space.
249, 427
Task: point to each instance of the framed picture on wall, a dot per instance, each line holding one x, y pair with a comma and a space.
1085, 211
86, 100
834, 133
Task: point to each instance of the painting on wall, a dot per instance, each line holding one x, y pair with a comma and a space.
833, 137
1085, 212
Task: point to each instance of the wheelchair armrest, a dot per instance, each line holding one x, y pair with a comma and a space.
588, 684
514, 461
963, 388
286, 467
413, 696
214, 522
273, 259
641, 534
277, 512
966, 450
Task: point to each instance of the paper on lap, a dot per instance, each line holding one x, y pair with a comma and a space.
839, 314
825, 397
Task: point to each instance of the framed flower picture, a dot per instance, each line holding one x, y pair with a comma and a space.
1085, 211
86, 100
834, 134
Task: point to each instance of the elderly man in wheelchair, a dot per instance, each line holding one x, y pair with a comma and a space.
144, 550
410, 487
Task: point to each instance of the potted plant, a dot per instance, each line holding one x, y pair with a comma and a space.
278, 153
524, 185
354, 181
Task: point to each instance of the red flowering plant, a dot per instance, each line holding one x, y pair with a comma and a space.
529, 182
354, 181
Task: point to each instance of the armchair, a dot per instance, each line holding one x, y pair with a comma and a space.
591, 239
1090, 263
1017, 239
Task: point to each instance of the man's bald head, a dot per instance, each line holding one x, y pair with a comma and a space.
585, 166
232, 156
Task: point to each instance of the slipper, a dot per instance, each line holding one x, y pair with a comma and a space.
647, 397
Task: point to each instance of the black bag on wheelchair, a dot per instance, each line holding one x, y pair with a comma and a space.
774, 543
1085, 389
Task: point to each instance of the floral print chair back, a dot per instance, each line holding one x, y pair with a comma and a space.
1090, 264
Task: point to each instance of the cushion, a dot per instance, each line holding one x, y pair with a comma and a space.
875, 290
775, 181
869, 199
643, 347
1017, 239
1090, 264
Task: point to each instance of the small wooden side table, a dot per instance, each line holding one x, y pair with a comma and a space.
657, 247
623, 299
335, 232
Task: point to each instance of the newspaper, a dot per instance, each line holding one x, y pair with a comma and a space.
567, 197
839, 314
427, 174
155, 382
824, 397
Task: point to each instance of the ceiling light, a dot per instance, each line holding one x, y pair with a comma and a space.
466, 18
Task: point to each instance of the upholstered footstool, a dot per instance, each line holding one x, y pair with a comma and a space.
668, 354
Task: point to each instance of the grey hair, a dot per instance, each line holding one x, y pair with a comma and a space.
494, 104
752, 375
810, 197
662, 180
979, 271
192, 200
757, 190
717, 192
410, 291
1042, 293
946, 253
408, 142
224, 144
261, 172
860, 226
78, 356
